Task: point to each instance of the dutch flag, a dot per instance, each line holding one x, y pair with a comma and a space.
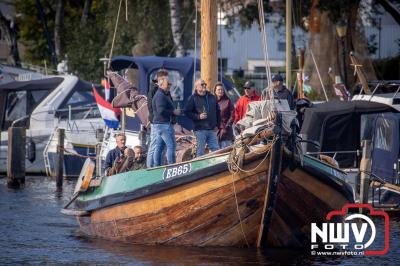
108, 113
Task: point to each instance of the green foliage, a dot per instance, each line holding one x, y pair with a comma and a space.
314, 95
86, 44
239, 83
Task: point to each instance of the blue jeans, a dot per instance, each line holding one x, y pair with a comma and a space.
164, 134
151, 149
204, 137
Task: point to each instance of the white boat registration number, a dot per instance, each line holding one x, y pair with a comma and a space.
178, 170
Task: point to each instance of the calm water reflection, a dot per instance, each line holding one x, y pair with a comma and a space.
33, 231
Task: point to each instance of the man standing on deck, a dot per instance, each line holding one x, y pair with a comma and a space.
150, 151
163, 119
280, 91
115, 153
203, 109
250, 95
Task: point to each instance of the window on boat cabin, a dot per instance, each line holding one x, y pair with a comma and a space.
80, 104
233, 94
21, 104
383, 138
177, 87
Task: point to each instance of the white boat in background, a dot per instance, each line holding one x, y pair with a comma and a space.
42, 105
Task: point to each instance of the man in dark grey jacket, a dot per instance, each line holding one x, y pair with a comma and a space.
281, 92
203, 109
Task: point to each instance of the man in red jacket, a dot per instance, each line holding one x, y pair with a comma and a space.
250, 95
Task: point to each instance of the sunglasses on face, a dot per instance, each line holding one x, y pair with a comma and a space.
247, 88
203, 84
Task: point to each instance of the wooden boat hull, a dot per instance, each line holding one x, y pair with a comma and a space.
221, 209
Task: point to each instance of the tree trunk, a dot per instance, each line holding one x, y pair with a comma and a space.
58, 27
175, 14
323, 44
85, 12
359, 45
10, 34
328, 52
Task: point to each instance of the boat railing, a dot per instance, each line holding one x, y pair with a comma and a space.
380, 184
334, 154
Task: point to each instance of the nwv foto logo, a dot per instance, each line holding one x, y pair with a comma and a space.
331, 235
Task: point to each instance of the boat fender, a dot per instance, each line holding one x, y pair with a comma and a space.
31, 150
329, 160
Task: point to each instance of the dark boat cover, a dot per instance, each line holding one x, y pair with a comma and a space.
335, 125
147, 67
39, 84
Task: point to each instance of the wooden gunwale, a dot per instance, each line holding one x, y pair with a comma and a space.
118, 198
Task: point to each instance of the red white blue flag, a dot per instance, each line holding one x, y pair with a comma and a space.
108, 113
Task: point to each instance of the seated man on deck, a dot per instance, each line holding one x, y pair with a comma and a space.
139, 161
115, 153
131, 160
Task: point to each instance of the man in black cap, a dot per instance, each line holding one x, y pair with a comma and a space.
280, 91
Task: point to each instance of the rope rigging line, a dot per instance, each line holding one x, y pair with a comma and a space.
74, 153
195, 41
115, 33
269, 90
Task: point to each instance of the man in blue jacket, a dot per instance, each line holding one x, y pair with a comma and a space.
203, 109
163, 118
115, 153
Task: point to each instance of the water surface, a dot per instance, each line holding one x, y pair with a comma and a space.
33, 231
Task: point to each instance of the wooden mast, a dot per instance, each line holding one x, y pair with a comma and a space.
209, 62
288, 42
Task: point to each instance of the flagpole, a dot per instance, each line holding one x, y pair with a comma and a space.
123, 120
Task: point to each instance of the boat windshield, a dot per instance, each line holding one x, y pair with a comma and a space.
232, 93
177, 84
79, 105
21, 104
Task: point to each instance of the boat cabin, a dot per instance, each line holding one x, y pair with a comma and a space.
337, 129
182, 74
19, 99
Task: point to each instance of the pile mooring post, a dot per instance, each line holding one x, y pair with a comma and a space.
60, 157
16, 157
99, 137
365, 168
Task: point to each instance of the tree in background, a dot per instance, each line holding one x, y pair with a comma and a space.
83, 31
321, 17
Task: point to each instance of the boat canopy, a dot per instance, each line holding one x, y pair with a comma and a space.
38, 84
19, 98
336, 126
383, 131
181, 70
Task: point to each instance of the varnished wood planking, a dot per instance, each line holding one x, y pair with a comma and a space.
234, 234
250, 186
322, 191
296, 208
159, 201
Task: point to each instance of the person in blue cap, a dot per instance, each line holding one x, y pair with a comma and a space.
280, 91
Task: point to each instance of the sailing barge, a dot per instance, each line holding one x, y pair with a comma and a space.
228, 198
